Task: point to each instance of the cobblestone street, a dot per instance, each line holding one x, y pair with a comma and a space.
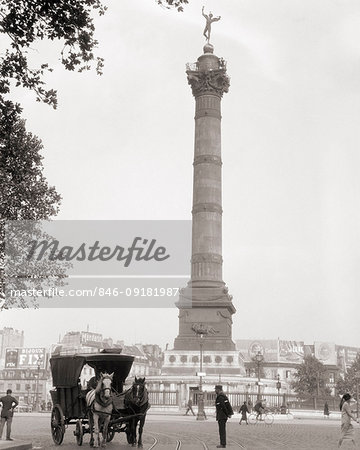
185, 433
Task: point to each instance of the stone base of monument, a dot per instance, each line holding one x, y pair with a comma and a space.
215, 362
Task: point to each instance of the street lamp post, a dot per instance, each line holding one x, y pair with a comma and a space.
317, 388
28, 388
278, 387
201, 414
259, 358
37, 403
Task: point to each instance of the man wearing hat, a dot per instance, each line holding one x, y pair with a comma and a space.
223, 412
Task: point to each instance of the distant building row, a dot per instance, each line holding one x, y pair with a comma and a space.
27, 372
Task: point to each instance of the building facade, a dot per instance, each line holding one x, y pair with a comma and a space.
10, 337
26, 373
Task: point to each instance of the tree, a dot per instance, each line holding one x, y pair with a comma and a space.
173, 4
26, 22
310, 379
349, 382
24, 192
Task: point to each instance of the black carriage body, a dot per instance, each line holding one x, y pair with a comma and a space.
69, 398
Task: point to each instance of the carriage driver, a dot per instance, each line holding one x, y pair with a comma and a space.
92, 383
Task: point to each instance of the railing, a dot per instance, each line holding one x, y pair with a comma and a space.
292, 401
164, 398
272, 400
194, 67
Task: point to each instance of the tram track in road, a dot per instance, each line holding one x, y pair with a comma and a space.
156, 442
238, 444
178, 444
205, 447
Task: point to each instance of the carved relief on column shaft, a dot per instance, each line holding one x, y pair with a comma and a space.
210, 82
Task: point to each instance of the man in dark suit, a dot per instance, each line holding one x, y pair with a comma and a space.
8, 403
223, 412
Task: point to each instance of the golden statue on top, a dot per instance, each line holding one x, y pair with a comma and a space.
209, 20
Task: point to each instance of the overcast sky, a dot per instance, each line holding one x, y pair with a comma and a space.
120, 146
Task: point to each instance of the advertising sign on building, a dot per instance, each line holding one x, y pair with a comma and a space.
11, 358
87, 336
325, 352
21, 358
249, 348
346, 355
31, 357
291, 351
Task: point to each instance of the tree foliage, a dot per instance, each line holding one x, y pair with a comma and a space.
349, 382
26, 22
24, 192
178, 4
310, 379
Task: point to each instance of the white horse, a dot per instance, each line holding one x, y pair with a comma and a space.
100, 405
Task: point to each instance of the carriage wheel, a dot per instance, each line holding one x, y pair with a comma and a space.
110, 434
57, 425
79, 432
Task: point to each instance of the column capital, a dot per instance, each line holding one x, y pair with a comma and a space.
214, 82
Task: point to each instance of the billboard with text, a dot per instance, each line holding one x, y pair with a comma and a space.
291, 351
325, 352
25, 358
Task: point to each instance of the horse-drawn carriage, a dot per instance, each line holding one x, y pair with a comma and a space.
105, 409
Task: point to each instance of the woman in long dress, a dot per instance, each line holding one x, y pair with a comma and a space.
347, 430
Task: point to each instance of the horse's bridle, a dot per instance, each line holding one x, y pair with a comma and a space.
138, 396
106, 389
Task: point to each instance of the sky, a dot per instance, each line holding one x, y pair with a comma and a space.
120, 146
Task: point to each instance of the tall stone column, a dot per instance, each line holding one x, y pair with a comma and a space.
212, 306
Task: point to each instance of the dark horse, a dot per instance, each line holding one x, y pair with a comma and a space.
136, 402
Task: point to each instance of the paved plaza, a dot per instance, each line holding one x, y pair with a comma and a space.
185, 433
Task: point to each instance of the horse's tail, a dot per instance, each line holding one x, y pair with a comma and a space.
90, 397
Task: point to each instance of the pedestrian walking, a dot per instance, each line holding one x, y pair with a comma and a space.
250, 405
223, 412
8, 403
189, 407
347, 430
326, 410
244, 411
